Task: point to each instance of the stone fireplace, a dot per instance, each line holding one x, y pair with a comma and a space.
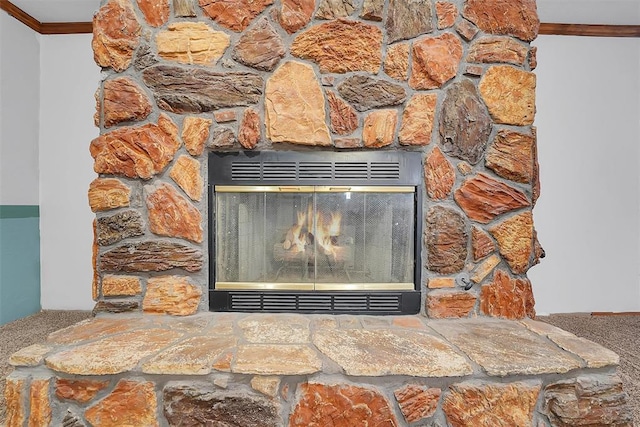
423, 112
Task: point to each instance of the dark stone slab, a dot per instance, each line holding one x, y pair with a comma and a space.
446, 239
365, 92
152, 256
408, 18
112, 229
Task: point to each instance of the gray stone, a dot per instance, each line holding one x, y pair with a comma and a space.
144, 57
332, 9
407, 19
222, 137
115, 306
200, 403
260, 47
365, 92
379, 352
373, 10
465, 124
197, 90
112, 229
446, 239
503, 347
152, 256
184, 8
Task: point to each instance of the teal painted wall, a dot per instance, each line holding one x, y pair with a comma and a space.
19, 262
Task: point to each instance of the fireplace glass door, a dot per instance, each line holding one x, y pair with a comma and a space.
323, 238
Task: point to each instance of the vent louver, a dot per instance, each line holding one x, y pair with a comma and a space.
383, 303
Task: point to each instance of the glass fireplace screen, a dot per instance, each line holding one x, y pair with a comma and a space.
322, 238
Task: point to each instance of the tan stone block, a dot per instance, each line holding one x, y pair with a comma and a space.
465, 168
235, 15
124, 100
473, 404
192, 43
441, 282
481, 243
447, 14
116, 32
515, 241
119, 286
379, 128
81, 391
347, 143
396, 63
332, 9
412, 322
156, 12
439, 175
130, 403
275, 329
249, 134
276, 359
291, 85
171, 214
113, 354
136, 152
510, 95
195, 132
39, 403
108, 193
448, 304
171, 295
533, 58
186, 173
95, 328
341, 405
416, 402
435, 61
511, 156
225, 116
485, 268
518, 18
341, 46
193, 356
14, 396
417, 120
497, 50
268, 386
343, 117
295, 14
30, 356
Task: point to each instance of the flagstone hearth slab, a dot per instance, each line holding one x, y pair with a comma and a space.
276, 359
503, 347
275, 329
379, 352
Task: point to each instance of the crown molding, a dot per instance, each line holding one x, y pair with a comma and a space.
589, 30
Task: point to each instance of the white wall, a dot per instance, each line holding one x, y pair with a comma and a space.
68, 79
19, 100
588, 119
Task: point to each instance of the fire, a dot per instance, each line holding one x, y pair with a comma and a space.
322, 229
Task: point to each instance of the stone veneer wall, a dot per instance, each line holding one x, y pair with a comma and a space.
451, 79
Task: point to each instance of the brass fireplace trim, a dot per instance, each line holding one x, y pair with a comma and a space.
313, 189
246, 286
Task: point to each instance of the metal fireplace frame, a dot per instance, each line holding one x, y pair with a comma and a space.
299, 168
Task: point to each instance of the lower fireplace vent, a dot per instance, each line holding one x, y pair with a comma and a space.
346, 303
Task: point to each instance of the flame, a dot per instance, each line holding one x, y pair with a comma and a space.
324, 227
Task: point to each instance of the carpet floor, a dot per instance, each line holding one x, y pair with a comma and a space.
618, 333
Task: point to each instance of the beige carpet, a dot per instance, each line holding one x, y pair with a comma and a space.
619, 333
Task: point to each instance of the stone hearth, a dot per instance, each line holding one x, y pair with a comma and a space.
287, 369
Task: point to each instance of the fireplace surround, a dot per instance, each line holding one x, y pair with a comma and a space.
315, 232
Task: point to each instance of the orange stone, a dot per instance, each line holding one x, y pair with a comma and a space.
518, 18
124, 100
484, 198
171, 295
341, 406
511, 156
443, 304
170, 214
295, 14
156, 12
225, 116
40, 405
508, 298
481, 243
416, 402
341, 46
447, 14
379, 128
515, 241
417, 120
119, 286
249, 133
441, 282
138, 152
510, 95
439, 175
396, 63
484, 268
108, 193
473, 404
116, 32
411, 322
497, 49
186, 173
344, 119
195, 132
130, 403
14, 394
235, 15
81, 391
435, 61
